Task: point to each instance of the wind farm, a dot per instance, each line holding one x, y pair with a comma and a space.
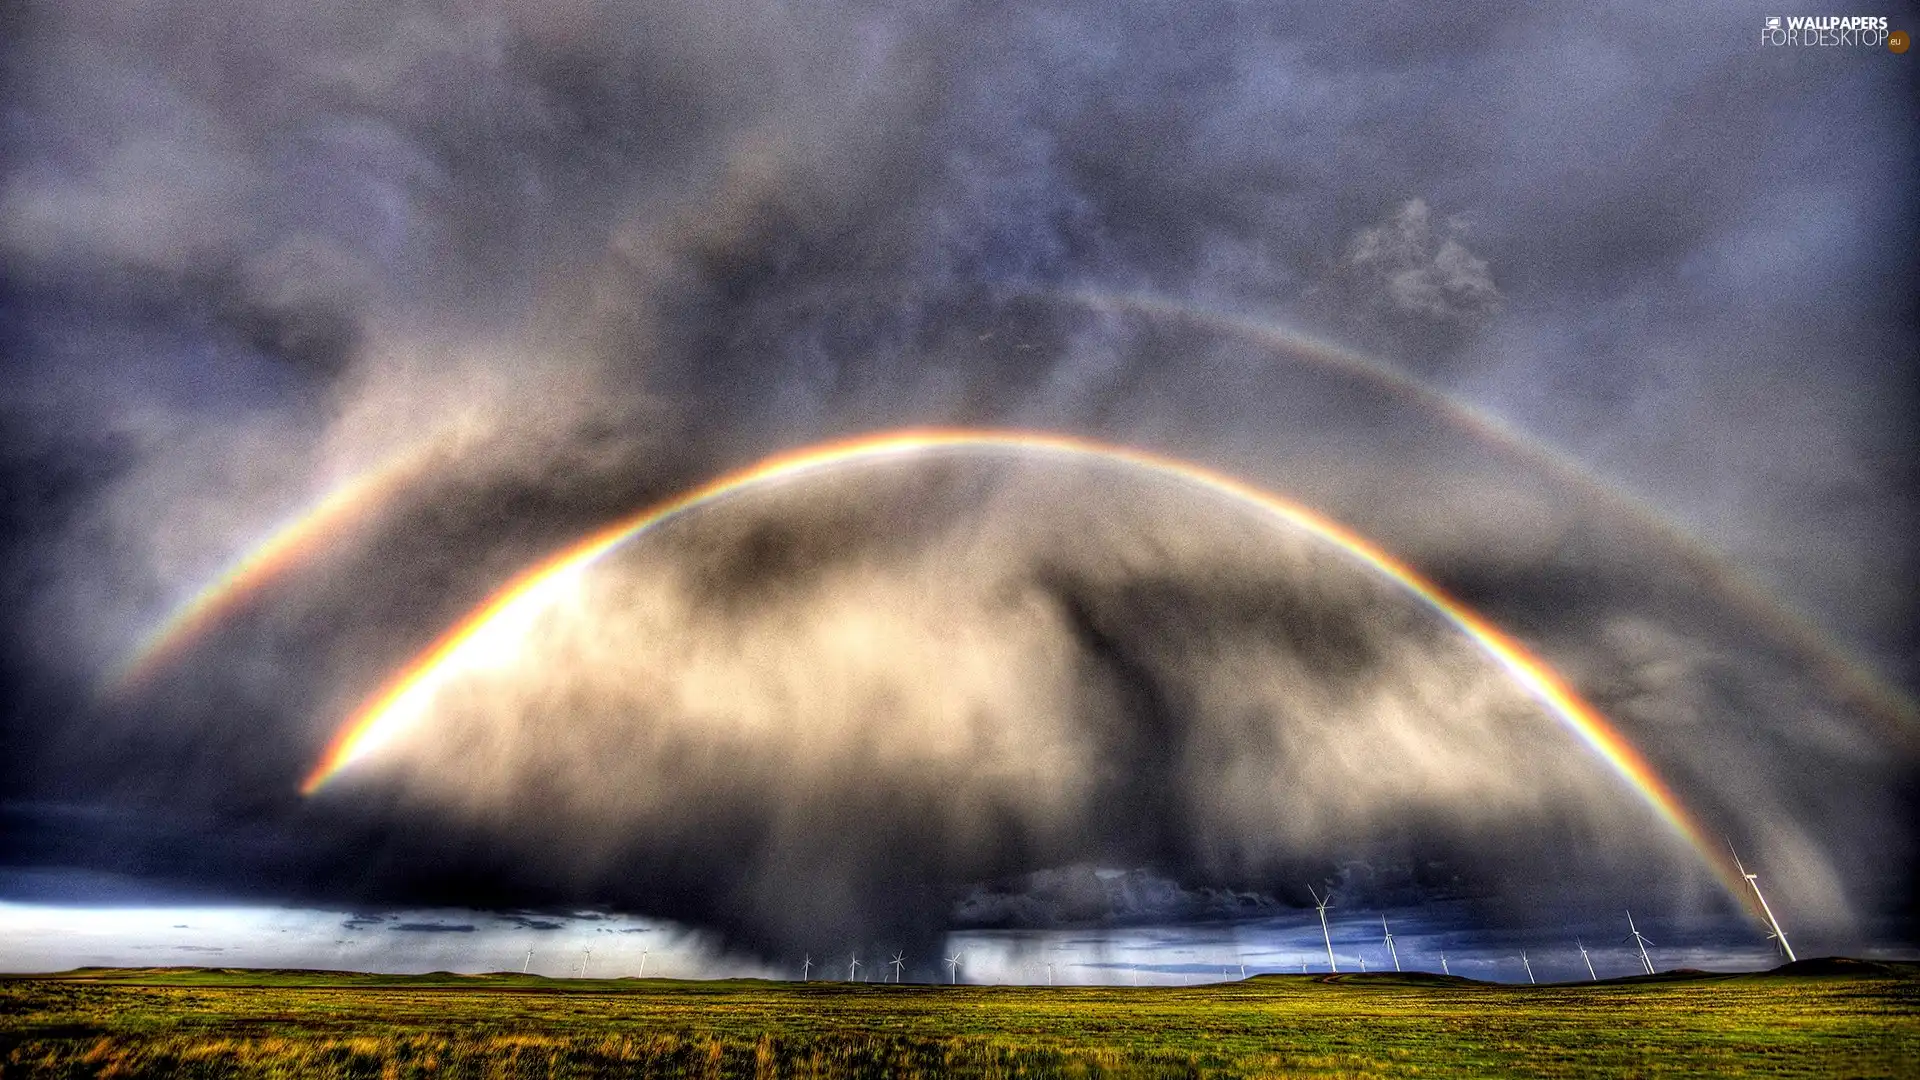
1831, 1016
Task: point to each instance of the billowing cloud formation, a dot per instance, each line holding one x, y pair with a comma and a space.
1423, 271
1409, 285
577, 257
830, 709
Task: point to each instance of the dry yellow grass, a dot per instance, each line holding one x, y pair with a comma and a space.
240, 1024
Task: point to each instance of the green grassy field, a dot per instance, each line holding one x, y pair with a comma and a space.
190, 1022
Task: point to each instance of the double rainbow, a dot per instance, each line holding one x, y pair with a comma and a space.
1850, 680
496, 625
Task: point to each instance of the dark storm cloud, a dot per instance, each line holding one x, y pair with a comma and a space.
526, 923
433, 928
590, 255
1084, 896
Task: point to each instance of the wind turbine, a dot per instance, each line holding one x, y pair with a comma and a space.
1640, 940
1444, 970
1049, 973
1753, 880
1391, 951
527, 963
853, 965
1583, 955
899, 960
953, 968
644, 953
585, 957
1528, 964
1324, 932
806, 966
1243, 972
1363, 965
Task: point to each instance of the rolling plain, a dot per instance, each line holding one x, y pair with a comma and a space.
1831, 1018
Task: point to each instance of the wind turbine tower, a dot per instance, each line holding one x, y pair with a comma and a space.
1325, 934
585, 958
1528, 964
806, 966
1578, 944
1391, 951
1753, 880
953, 969
1444, 970
644, 953
527, 963
899, 961
1640, 940
853, 965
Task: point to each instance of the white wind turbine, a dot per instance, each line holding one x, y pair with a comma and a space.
527, 963
644, 953
1528, 964
1391, 951
853, 965
1444, 970
1578, 944
1640, 940
806, 966
1753, 880
1321, 903
953, 968
585, 957
899, 961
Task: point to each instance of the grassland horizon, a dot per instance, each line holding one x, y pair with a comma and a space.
1827, 1017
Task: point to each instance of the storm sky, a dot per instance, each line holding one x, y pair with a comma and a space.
1603, 320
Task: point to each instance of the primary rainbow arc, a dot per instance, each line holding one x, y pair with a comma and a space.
408, 696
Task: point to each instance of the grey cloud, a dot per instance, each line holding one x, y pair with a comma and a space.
526, 923
1422, 270
580, 258
1082, 895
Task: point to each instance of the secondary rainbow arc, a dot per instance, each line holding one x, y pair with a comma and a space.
1851, 680
342, 508
408, 696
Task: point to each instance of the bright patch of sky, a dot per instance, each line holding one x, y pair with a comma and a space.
46, 937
